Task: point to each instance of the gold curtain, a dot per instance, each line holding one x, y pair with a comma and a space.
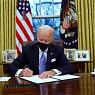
7, 25
86, 29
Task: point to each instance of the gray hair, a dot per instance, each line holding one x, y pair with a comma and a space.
45, 28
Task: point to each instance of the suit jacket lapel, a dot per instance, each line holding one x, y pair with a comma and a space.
36, 57
36, 54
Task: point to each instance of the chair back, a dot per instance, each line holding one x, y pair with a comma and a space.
59, 43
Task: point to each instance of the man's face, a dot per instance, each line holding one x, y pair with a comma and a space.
44, 37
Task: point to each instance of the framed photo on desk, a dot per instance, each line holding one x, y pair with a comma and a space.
4, 56
82, 55
70, 54
9, 55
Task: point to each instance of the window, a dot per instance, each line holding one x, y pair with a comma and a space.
46, 12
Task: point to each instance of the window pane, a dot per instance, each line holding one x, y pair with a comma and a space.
42, 21
54, 22
57, 0
47, 21
46, 8
36, 24
44, 12
57, 7
33, 5
46, 0
56, 28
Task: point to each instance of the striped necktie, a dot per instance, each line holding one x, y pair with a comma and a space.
42, 63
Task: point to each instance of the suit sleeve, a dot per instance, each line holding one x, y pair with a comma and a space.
18, 63
64, 65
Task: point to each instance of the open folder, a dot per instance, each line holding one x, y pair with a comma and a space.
37, 79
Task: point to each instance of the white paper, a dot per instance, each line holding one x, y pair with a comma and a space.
37, 79
93, 73
4, 78
66, 77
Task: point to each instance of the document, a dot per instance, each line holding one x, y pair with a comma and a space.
66, 77
4, 78
37, 79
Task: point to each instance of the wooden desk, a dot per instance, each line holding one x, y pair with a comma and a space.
82, 86
79, 66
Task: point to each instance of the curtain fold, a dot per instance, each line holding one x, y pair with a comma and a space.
7, 25
86, 29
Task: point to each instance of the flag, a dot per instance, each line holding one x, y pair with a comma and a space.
68, 24
24, 27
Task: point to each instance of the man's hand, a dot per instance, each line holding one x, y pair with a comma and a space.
47, 74
26, 73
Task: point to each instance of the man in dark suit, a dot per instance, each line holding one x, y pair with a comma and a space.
28, 63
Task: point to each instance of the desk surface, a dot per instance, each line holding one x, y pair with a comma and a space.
82, 86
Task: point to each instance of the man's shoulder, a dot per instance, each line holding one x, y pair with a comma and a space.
56, 48
58, 43
30, 43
